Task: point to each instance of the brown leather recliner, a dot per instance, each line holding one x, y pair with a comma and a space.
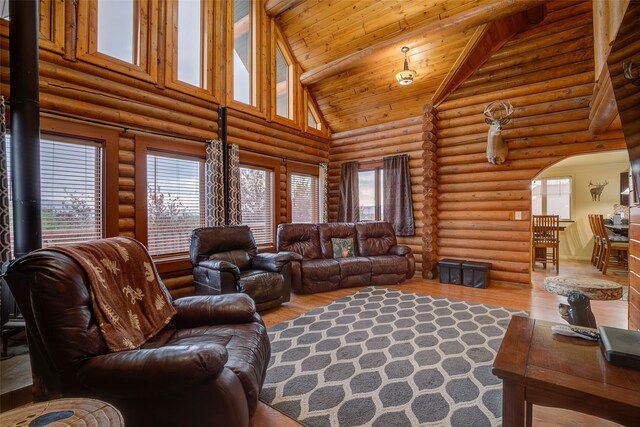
225, 260
205, 368
378, 259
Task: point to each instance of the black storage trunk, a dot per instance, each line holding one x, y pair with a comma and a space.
475, 274
451, 271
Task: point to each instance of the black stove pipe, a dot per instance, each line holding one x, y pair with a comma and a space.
25, 126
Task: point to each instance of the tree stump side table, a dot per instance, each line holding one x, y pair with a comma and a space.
67, 412
594, 288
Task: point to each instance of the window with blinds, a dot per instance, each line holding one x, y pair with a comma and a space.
71, 186
304, 198
256, 202
175, 202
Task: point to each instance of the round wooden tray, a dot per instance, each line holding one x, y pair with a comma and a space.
63, 412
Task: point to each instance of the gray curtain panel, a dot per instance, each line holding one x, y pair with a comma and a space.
398, 208
214, 177
235, 214
323, 190
5, 243
348, 206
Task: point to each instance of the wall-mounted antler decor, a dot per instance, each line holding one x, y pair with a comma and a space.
497, 115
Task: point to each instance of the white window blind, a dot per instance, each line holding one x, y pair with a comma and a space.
71, 186
304, 198
551, 196
175, 206
256, 202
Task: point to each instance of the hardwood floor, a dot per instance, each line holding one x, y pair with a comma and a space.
539, 303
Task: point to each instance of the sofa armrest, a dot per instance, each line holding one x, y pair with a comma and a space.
153, 371
294, 256
271, 262
213, 309
400, 250
216, 264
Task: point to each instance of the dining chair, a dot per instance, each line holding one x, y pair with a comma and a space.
545, 241
608, 246
597, 240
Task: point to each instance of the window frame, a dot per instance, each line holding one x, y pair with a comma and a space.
171, 146
301, 169
375, 166
310, 105
145, 40
258, 21
263, 162
54, 12
210, 53
544, 195
292, 82
108, 140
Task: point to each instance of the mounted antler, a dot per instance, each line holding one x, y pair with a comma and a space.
497, 115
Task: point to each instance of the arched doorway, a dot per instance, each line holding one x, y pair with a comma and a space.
574, 188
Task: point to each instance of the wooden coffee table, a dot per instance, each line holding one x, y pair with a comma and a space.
542, 368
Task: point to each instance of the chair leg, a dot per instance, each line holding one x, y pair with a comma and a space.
605, 261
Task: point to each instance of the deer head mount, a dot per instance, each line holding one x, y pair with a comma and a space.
497, 115
596, 191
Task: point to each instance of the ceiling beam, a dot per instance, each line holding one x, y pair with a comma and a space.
485, 41
276, 7
464, 21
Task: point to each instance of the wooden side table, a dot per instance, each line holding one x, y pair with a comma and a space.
68, 412
542, 368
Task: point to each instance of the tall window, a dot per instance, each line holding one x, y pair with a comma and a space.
304, 198
371, 185
256, 195
117, 29
243, 53
283, 86
71, 185
175, 204
190, 46
551, 196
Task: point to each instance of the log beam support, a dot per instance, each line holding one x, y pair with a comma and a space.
430, 192
604, 109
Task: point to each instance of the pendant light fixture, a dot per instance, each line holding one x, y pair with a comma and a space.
406, 76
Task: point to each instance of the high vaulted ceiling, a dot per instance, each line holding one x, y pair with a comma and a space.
350, 50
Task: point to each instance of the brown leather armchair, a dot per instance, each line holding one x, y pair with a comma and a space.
205, 368
225, 260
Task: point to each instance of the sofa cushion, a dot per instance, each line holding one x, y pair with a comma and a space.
374, 238
343, 248
261, 285
388, 264
337, 230
239, 258
299, 238
354, 272
320, 275
205, 241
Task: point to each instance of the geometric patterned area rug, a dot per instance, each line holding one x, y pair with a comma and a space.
382, 357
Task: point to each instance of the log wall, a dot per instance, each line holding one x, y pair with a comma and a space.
374, 143
81, 91
547, 75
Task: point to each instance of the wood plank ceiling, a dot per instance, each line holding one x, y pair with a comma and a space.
350, 51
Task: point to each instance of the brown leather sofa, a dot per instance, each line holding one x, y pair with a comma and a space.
225, 260
378, 260
205, 368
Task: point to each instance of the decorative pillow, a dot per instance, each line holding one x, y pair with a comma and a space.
342, 248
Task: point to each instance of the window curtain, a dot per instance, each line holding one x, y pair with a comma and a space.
323, 190
214, 176
398, 207
349, 204
235, 213
5, 243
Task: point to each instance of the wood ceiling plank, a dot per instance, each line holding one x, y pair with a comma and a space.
276, 7
487, 40
491, 10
